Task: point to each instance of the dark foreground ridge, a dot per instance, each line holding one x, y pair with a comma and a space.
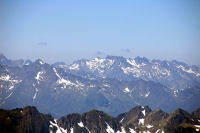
138, 119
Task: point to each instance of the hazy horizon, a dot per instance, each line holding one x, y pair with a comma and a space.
69, 63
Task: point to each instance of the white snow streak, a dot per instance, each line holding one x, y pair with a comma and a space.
143, 112
36, 91
71, 130
149, 126
141, 121
147, 94
197, 126
64, 81
109, 129
39, 77
157, 131
126, 90
74, 67
59, 129
81, 124
188, 71
11, 87
41, 62
122, 130
121, 120
9, 95
8, 78
54, 69
132, 130
5, 78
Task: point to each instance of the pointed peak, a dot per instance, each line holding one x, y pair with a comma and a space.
2, 55
3, 58
39, 61
115, 57
95, 111
139, 59
30, 110
196, 112
141, 107
179, 111
59, 63
158, 110
27, 62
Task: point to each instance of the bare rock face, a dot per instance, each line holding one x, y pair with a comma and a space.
26, 120
138, 119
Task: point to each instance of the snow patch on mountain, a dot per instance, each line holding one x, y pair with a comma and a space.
99, 64
71, 130
109, 129
175, 92
147, 94
28, 63
65, 82
9, 95
121, 120
122, 130
79, 84
138, 68
188, 70
143, 112
157, 131
106, 85
160, 71
92, 85
54, 69
5, 78
59, 129
95, 63
41, 62
74, 67
39, 76
11, 87
132, 130
126, 90
133, 63
197, 126
81, 124
149, 126
36, 91
135, 71
8, 78
141, 121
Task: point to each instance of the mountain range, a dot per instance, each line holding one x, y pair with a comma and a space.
112, 84
140, 119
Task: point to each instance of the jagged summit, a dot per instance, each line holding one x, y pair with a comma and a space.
28, 120
196, 113
101, 83
39, 61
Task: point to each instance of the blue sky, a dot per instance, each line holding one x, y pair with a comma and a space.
66, 30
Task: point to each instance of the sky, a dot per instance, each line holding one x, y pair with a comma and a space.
68, 30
